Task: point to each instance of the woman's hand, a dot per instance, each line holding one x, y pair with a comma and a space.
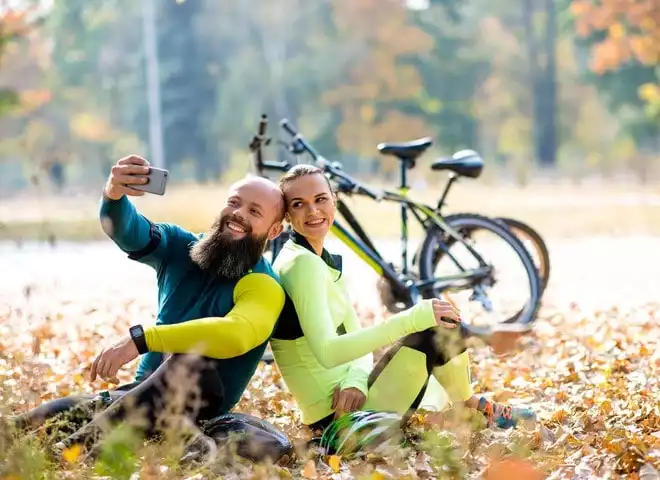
347, 400
445, 313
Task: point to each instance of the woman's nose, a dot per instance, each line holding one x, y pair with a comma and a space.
312, 209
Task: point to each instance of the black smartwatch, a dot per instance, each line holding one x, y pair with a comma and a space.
137, 335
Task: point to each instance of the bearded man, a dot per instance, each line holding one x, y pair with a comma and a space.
218, 303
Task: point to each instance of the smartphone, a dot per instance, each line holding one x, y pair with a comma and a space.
157, 180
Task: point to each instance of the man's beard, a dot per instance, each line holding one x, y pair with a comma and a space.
229, 258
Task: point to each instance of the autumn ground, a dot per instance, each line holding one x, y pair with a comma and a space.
590, 369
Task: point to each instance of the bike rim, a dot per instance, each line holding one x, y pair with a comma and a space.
504, 310
535, 250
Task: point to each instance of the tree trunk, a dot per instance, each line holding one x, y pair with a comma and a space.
533, 72
543, 82
548, 102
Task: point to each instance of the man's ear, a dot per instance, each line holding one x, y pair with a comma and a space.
275, 230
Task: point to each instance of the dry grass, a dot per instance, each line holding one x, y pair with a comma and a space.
555, 209
590, 369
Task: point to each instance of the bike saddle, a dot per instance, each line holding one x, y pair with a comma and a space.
466, 163
406, 150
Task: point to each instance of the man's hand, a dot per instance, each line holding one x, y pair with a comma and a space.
110, 360
347, 400
131, 170
444, 312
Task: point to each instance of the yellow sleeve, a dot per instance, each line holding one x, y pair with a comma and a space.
305, 283
258, 301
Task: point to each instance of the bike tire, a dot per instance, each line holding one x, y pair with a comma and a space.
525, 232
428, 260
522, 229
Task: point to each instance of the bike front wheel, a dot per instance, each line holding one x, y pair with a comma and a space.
443, 255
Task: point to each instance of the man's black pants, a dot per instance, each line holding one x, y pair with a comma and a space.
187, 385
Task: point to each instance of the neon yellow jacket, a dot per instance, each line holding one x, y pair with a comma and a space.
319, 343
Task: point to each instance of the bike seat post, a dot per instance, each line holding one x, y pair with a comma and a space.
404, 175
404, 217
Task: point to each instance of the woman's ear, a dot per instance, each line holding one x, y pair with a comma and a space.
287, 217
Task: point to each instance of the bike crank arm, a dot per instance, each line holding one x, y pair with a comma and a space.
461, 281
480, 295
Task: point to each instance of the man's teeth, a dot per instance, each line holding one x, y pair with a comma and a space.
235, 227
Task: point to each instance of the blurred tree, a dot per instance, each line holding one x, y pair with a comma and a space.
378, 80
622, 39
24, 97
503, 101
97, 76
542, 64
188, 90
585, 121
12, 27
451, 73
349, 75
629, 31
530, 27
280, 61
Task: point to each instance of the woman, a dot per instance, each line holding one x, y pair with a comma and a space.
324, 355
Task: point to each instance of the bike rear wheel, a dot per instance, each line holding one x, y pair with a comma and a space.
436, 247
535, 244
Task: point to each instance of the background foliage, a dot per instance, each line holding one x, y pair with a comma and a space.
565, 85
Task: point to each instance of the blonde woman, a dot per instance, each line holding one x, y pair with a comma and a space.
324, 355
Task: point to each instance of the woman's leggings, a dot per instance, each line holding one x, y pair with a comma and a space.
187, 385
399, 381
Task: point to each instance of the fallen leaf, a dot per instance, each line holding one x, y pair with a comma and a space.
648, 472
422, 463
310, 470
72, 453
512, 470
377, 476
334, 462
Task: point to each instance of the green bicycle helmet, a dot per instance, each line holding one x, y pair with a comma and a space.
355, 431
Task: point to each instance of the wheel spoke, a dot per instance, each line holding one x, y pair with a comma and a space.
438, 250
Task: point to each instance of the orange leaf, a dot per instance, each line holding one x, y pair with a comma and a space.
310, 470
512, 470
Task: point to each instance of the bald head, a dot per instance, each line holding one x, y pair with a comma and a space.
264, 193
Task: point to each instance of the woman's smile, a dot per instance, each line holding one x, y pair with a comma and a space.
316, 222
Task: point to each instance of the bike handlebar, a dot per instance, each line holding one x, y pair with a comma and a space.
263, 123
256, 146
284, 123
346, 183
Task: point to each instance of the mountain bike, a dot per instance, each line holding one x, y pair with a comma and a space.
404, 286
